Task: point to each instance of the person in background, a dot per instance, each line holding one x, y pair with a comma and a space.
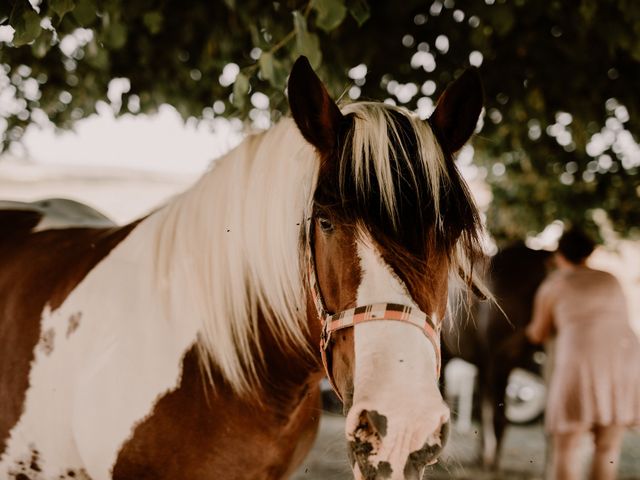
595, 384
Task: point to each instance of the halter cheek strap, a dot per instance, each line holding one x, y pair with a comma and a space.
368, 313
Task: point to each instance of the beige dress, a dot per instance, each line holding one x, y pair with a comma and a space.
596, 373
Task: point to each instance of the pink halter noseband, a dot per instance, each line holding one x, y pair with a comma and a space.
368, 313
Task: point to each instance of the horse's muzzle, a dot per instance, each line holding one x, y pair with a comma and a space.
427, 455
376, 455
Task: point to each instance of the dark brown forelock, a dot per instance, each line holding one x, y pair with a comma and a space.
417, 234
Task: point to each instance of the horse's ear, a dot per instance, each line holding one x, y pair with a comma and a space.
457, 111
314, 111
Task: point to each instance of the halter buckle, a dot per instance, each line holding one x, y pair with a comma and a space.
325, 335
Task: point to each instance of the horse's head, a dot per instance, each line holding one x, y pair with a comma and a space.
391, 218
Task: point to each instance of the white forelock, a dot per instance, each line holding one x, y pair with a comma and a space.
375, 134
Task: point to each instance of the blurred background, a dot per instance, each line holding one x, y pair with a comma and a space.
121, 105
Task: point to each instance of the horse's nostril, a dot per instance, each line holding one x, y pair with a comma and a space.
366, 439
428, 454
368, 433
433, 449
374, 422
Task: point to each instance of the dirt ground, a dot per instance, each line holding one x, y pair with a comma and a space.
523, 455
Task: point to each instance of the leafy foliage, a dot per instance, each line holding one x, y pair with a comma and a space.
560, 134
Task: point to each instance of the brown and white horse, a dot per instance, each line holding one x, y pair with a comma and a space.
184, 345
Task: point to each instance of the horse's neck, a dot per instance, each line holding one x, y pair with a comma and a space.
286, 375
131, 275
226, 250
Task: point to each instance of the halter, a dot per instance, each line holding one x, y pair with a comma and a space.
367, 313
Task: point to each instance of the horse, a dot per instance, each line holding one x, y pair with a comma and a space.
492, 336
190, 343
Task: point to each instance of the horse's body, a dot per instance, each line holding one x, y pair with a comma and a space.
114, 384
494, 340
184, 345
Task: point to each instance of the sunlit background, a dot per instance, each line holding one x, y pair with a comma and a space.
128, 165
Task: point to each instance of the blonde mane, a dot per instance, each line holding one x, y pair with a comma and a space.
231, 246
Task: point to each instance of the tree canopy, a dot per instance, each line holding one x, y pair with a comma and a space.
559, 139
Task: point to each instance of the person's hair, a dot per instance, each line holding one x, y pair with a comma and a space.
575, 245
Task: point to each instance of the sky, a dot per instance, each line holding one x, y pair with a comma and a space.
161, 142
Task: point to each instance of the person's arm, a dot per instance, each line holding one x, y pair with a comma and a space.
541, 324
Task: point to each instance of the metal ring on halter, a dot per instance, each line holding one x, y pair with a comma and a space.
368, 313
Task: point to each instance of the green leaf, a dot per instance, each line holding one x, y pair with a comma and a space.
85, 12
256, 39
635, 52
42, 44
359, 10
307, 44
153, 21
266, 66
331, 13
116, 35
503, 20
280, 75
26, 23
96, 56
61, 7
588, 10
240, 90
273, 70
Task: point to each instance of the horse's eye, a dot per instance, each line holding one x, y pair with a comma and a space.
325, 225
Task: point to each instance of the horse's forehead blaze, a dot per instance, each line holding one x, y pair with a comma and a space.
38, 269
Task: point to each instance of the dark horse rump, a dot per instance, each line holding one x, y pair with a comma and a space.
494, 340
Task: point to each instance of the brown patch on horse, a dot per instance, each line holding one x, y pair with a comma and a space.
27, 468
17, 223
47, 341
341, 357
220, 435
74, 323
338, 282
427, 281
38, 269
199, 430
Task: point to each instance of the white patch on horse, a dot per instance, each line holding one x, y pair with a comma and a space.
241, 253
86, 396
74, 323
47, 340
393, 360
197, 270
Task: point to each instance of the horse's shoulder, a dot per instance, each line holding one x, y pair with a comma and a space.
51, 261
